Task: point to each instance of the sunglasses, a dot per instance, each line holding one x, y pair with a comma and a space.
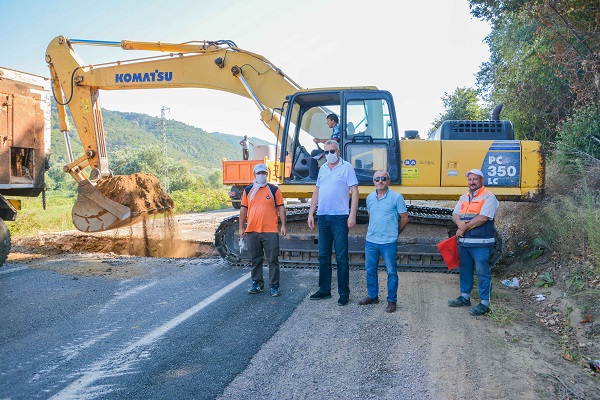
380, 178
331, 151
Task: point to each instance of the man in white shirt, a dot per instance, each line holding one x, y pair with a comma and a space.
336, 179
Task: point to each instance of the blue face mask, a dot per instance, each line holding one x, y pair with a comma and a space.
260, 178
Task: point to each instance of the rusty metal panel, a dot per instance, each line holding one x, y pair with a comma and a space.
25, 110
24, 132
5, 132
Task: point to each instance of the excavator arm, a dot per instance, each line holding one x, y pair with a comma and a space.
212, 65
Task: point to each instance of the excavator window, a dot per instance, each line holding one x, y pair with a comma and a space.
366, 158
306, 121
368, 118
368, 141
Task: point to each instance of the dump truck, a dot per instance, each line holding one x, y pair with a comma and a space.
240, 173
24, 143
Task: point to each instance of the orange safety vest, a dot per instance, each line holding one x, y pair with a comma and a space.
469, 208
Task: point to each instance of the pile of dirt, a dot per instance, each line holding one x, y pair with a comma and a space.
140, 192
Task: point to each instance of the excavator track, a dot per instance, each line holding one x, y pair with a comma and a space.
417, 246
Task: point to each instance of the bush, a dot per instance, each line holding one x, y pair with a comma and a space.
570, 217
579, 137
205, 199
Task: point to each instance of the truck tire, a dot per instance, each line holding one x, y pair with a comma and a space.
4, 242
235, 194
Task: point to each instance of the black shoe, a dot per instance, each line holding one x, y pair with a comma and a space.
368, 300
459, 302
320, 295
479, 309
391, 307
343, 300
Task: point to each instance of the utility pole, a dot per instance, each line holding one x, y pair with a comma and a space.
163, 129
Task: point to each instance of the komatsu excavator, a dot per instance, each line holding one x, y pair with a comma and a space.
370, 140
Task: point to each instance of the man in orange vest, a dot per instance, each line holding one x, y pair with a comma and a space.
262, 204
474, 216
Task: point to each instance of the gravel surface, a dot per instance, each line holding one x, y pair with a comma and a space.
425, 350
328, 351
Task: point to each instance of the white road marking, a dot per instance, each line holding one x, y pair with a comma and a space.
72, 351
123, 295
8, 271
121, 362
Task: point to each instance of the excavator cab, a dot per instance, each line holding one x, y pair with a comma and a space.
368, 134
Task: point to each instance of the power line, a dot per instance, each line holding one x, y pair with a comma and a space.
163, 129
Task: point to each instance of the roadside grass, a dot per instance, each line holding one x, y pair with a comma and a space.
500, 312
33, 220
570, 218
502, 315
559, 237
570, 225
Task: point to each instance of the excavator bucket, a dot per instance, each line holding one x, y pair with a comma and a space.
119, 201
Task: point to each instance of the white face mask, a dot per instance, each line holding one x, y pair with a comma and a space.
260, 178
331, 158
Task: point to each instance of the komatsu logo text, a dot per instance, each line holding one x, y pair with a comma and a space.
156, 76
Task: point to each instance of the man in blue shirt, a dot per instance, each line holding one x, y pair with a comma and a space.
384, 206
313, 168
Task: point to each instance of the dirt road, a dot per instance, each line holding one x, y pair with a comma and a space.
326, 351
360, 352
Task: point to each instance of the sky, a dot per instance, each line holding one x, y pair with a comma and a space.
416, 49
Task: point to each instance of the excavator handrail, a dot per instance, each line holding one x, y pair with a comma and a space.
176, 49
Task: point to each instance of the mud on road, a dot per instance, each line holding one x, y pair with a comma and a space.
425, 350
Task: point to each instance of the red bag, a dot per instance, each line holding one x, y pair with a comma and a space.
449, 251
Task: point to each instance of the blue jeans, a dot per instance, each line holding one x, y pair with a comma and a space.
478, 259
333, 232
388, 253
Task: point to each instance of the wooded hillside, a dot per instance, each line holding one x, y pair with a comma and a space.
203, 151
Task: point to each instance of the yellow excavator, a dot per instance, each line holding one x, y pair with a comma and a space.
370, 140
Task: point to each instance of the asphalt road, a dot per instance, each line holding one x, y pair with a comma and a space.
178, 329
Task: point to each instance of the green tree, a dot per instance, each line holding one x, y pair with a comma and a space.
128, 161
462, 104
544, 60
215, 179
579, 137
534, 98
